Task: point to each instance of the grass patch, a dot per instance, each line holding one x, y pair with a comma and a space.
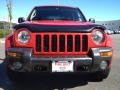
4, 33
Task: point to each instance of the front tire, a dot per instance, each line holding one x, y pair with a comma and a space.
14, 75
100, 75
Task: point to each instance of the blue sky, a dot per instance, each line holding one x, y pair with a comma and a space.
101, 10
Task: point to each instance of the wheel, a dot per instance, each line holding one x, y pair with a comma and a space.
15, 76
100, 75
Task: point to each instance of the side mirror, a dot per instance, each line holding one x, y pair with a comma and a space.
21, 19
92, 20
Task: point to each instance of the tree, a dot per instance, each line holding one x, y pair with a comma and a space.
9, 7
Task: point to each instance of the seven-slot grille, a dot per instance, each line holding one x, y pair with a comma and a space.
61, 42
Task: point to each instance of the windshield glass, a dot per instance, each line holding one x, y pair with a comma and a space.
56, 13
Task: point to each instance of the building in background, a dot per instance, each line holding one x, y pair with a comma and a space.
112, 25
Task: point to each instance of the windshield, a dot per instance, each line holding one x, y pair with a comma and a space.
56, 13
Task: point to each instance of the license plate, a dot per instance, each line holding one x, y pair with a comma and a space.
62, 66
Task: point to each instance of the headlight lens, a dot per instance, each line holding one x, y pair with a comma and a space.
23, 36
98, 36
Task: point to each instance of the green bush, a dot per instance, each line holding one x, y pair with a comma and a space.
3, 33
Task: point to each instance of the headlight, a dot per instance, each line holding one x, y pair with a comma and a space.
98, 36
23, 36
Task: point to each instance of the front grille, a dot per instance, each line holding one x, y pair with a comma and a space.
61, 42
54, 43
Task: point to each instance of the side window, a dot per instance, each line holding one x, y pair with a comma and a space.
33, 15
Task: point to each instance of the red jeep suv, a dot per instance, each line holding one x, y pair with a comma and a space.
58, 39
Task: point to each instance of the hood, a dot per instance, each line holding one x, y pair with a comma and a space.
58, 26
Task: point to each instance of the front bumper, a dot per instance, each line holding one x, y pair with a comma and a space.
43, 63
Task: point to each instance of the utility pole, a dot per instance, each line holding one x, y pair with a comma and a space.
9, 7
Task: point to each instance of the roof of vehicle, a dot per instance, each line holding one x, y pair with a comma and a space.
56, 6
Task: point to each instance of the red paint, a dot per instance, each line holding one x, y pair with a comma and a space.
109, 41
110, 44
8, 41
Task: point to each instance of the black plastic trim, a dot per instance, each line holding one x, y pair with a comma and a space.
58, 28
95, 54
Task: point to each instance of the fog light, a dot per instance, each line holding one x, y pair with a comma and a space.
106, 54
17, 65
103, 65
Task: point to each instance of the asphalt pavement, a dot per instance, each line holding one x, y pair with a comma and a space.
72, 82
